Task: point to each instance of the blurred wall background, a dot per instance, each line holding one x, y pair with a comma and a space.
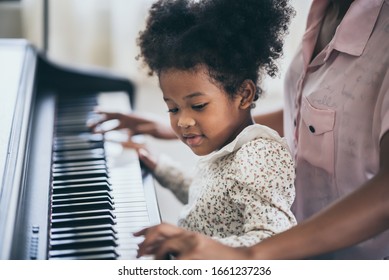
102, 33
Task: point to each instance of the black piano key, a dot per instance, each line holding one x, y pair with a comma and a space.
83, 221
78, 214
80, 168
81, 213
77, 158
68, 120
72, 129
83, 243
80, 174
84, 98
84, 137
107, 252
71, 120
99, 186
90, 234
80, 164
82, 200
68, 105
76, 112
65, 196
102, 256
75, 116
78, 138
70, 142
79, 111
82, 153
67, 108
82, 206
81, 181
77, 146
96, 151
83, 228
71, 102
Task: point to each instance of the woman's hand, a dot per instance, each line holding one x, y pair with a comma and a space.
165, 241
135, 123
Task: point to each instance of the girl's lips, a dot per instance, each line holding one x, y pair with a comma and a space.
193, 140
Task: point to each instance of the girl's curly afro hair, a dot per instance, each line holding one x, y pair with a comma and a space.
235, 40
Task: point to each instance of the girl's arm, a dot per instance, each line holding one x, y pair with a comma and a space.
168, 173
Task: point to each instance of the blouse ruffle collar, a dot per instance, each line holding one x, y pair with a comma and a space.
248, 134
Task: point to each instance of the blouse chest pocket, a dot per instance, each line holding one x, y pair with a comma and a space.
316, 136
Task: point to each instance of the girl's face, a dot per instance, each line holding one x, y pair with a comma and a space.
202, 115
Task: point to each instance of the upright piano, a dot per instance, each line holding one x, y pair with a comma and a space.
65, 192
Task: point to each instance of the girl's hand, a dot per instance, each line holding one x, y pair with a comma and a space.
137, 124
147, 159
164, 241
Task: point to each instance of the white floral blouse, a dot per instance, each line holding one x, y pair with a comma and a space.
240, 194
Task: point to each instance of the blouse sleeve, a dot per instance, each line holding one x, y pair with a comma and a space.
169, 174
264, 191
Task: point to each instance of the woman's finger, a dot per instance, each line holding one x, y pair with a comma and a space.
175, 247
154, 236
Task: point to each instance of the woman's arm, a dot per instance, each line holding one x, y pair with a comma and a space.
273, 120
358, 217
355, 218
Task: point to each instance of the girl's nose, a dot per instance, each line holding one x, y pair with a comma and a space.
186, 122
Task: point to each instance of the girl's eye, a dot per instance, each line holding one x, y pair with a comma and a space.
173, 110
199, 107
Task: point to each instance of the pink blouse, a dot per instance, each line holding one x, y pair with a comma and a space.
337, 110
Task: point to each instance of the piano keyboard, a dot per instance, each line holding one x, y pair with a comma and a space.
98, 198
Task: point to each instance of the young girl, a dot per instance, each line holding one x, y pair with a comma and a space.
209, 56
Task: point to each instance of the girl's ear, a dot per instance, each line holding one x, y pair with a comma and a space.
246, 94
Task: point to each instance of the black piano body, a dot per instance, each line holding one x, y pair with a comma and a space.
55, 204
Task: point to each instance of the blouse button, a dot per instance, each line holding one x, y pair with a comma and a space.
312, 129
